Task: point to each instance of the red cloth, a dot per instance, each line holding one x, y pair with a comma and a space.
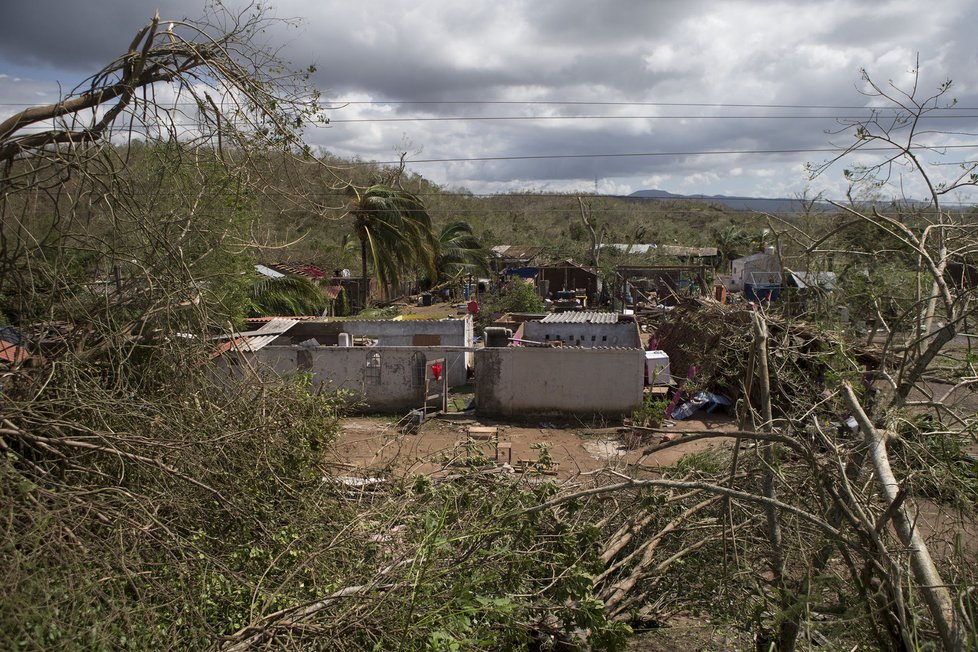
473, 307
436, 371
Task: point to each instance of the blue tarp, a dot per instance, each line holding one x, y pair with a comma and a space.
523, 272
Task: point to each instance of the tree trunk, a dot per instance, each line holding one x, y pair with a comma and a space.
929, 582
364, 289
788, 627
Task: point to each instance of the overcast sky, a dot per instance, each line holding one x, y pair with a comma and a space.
662, 64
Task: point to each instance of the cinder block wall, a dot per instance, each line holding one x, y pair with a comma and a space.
516, 381
453, 332
390, 384
624, 334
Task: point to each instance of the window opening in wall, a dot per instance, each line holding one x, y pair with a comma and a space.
372, 371
418, 364
594, 337
604, 338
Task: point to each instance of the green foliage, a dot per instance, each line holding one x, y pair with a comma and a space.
941, 463
491, 573
341, 307
289, 295
651, 412
389, 312
395, 233
887, 285
157, 536
514, 295
460, 252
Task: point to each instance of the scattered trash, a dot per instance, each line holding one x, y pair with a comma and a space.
701, 401
351, 481
411, 424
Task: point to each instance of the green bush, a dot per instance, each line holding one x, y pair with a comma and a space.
651, 413
515, 295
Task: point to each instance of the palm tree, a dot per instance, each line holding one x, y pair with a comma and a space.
460, 252
730, 242
762, 239
286, 296
395, 233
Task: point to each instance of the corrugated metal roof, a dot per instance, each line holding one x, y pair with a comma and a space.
268, 271
693, 252
823, 280
333, 291
265, 320
12, 353
583, 317
257, 339
517, 251
11, 350
630, 248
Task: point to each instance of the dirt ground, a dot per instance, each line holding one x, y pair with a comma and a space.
378, 445
371, 446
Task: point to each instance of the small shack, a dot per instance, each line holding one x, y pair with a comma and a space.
569, 276
757, 268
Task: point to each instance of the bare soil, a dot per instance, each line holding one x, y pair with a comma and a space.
379, 445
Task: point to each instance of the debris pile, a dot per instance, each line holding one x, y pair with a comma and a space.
712, 344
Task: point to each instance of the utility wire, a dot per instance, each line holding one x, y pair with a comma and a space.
586, 103
628, 117
341, 103
750, 152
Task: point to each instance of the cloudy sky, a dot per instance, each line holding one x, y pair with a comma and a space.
687, 96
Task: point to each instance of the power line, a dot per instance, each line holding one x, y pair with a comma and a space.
749, 152
626, 117
610, 103
338, 104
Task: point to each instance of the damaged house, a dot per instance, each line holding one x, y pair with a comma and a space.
570, 363
394, 366
383, 364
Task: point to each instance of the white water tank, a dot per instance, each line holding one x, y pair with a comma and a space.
346, 339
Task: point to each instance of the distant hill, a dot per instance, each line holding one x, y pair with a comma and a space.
761, 204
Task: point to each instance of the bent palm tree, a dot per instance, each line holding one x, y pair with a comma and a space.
395, 233
460, 252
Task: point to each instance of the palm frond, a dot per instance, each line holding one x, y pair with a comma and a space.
289, 295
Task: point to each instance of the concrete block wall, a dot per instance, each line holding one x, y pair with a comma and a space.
624, 334
517, 381
383, 378
401, 332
